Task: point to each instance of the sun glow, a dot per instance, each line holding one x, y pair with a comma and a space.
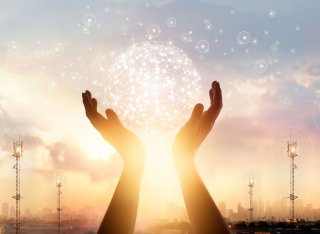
96, 148
159, 172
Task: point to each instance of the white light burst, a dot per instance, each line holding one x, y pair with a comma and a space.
153, 86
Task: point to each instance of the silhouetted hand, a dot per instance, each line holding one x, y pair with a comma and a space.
204, 215
110, 127
192, 134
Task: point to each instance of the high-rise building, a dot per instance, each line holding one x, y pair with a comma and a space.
260, 210
12, 212
243, 215
27, 213
5, 210
268, 209
223, 208
308, 212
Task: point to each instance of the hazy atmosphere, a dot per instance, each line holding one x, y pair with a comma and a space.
265, 54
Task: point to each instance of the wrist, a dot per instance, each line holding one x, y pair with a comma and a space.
184, 161
135, 166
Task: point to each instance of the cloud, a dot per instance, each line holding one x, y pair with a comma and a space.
12, 128
68, 157
306, 73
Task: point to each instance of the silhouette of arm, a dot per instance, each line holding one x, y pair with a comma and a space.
120, 216
205, 218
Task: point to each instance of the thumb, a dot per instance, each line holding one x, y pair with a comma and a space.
196, 114
111, 114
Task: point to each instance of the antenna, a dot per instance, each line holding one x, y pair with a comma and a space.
17, 153
292, 153
251, 184
59, 185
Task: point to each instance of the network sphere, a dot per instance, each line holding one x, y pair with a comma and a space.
152, 86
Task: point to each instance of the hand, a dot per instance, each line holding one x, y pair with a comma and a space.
126, 142
192, 134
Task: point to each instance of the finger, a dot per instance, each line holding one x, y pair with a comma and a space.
88, 93
111, 115
87, 105
94, 104
216, 104
211, 92
196, 114
217, 96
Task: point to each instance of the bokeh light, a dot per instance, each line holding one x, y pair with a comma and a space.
260, 66
186, 37
153, 86
243, 37
203, 46
171, 22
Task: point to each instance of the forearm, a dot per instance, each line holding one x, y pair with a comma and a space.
204, 215
121, 214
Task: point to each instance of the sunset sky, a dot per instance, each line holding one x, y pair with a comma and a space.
50, 53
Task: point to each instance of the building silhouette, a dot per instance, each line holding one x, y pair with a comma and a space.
5, 210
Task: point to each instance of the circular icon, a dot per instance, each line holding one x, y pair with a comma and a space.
89, 20
272, 13
203, 46
57, 49
186, 37
171, 22
14, 47
153, 31
243, 37
260, 66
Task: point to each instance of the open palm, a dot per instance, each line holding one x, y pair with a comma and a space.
110, 127
192, 134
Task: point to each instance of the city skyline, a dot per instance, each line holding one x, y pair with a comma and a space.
263, 210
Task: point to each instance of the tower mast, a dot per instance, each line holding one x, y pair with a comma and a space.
17, 153
292, 153
251, 184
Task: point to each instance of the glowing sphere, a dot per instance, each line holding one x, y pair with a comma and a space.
152, 86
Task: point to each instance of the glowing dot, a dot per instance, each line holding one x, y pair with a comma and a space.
207, 24
14, 47
171, 22
153, 31
89, 20
254, 41
243, 37
57, 49
260, 66
203, 46
208, 27
272, 13
186, 37
274, 48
